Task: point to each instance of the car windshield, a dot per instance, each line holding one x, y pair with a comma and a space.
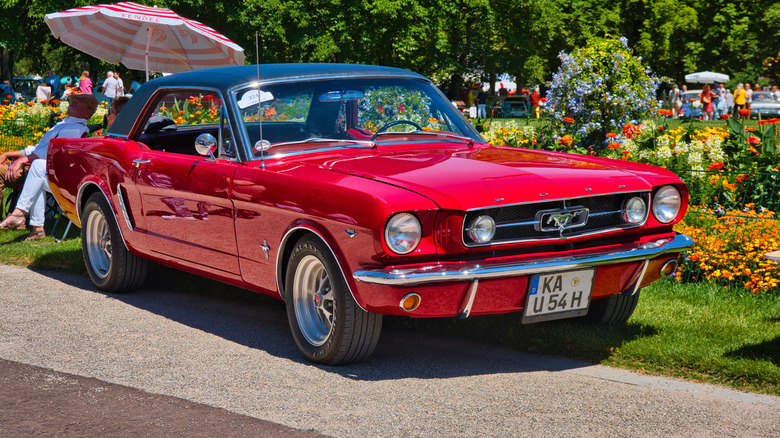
761, 97
347, 111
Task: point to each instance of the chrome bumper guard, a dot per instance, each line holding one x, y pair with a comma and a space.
474, 271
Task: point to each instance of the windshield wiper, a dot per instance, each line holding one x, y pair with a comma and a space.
468, 140
356, 143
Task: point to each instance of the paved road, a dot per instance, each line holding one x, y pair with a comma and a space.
236, 353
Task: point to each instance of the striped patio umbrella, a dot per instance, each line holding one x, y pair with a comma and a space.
144, 38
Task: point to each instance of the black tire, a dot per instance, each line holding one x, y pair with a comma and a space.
326, 322
612, 310
110, 265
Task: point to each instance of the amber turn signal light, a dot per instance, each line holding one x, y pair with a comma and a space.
410, 302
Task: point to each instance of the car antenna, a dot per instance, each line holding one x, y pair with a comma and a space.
264, 145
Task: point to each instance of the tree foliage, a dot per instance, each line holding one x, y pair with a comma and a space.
452, 41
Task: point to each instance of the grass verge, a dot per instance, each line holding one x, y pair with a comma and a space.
698, 332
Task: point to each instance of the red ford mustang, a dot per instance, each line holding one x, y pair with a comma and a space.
353, 192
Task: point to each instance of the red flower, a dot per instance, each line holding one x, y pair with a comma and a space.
716, 166
742, 177
773, 121
568, 120
750, 129
725, 116
752, 149
753, 140
660, 128
611, 135
744, 112
665, 112
614, 145
544, 99
524, 90
760, 123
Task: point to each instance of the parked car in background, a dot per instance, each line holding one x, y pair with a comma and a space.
515, 107
764, 105
25, 88
693, 101
356, 191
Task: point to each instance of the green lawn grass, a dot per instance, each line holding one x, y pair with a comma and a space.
697, 332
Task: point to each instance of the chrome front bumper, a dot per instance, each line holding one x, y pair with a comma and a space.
455, 271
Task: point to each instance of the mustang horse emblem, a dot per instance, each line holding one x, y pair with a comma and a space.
561, 220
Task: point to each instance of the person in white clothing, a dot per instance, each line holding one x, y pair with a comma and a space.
120, 86
110, 87
32, 199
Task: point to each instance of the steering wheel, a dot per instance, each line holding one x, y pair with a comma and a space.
397, 122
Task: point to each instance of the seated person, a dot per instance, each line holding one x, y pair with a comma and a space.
32, 199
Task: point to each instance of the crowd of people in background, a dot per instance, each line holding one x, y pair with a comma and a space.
53, 87
716, 101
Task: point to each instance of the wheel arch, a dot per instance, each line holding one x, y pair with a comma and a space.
290, 239
86, 191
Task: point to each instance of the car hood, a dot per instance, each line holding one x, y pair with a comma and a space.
476, 177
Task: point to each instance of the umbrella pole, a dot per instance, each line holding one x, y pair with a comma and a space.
146, 54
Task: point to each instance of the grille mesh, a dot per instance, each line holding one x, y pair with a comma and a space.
518, 222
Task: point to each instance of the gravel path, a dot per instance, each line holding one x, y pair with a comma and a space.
236, 353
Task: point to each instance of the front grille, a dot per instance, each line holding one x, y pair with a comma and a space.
524, 222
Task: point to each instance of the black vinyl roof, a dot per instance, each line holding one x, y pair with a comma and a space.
226, 78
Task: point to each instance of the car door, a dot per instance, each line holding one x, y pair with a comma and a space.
185, 197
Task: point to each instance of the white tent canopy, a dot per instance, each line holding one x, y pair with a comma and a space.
706, 77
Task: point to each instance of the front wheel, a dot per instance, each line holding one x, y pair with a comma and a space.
612, 310
326, 322
110, 265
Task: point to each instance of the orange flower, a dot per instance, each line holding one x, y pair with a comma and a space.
566, 140
744, 112
773, 121
753, 140
750, 129
568, 120
715, 166
614, 145
611, 135
742, 177
660, 128
752, 149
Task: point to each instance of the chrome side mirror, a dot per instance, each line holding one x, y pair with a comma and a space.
206, 144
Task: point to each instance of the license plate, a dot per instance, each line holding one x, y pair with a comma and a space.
559, 295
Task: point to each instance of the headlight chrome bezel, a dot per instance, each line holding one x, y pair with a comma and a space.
482, 229
403, 233
635, 210
667, 203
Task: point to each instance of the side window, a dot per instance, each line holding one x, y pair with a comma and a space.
190, 108
180, 116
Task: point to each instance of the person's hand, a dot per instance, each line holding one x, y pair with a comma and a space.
13, 169
3, 157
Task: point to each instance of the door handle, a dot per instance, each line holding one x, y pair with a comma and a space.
138, 162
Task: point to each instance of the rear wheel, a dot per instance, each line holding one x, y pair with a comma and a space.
110, 265
326, 322
612, 310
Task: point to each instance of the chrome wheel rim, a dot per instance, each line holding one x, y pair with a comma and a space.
313, 300
98, 243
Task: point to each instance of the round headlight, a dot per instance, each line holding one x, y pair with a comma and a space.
482, 229
666, 204
635, 210
403, 233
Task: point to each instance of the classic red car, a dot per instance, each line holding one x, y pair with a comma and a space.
353, 192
